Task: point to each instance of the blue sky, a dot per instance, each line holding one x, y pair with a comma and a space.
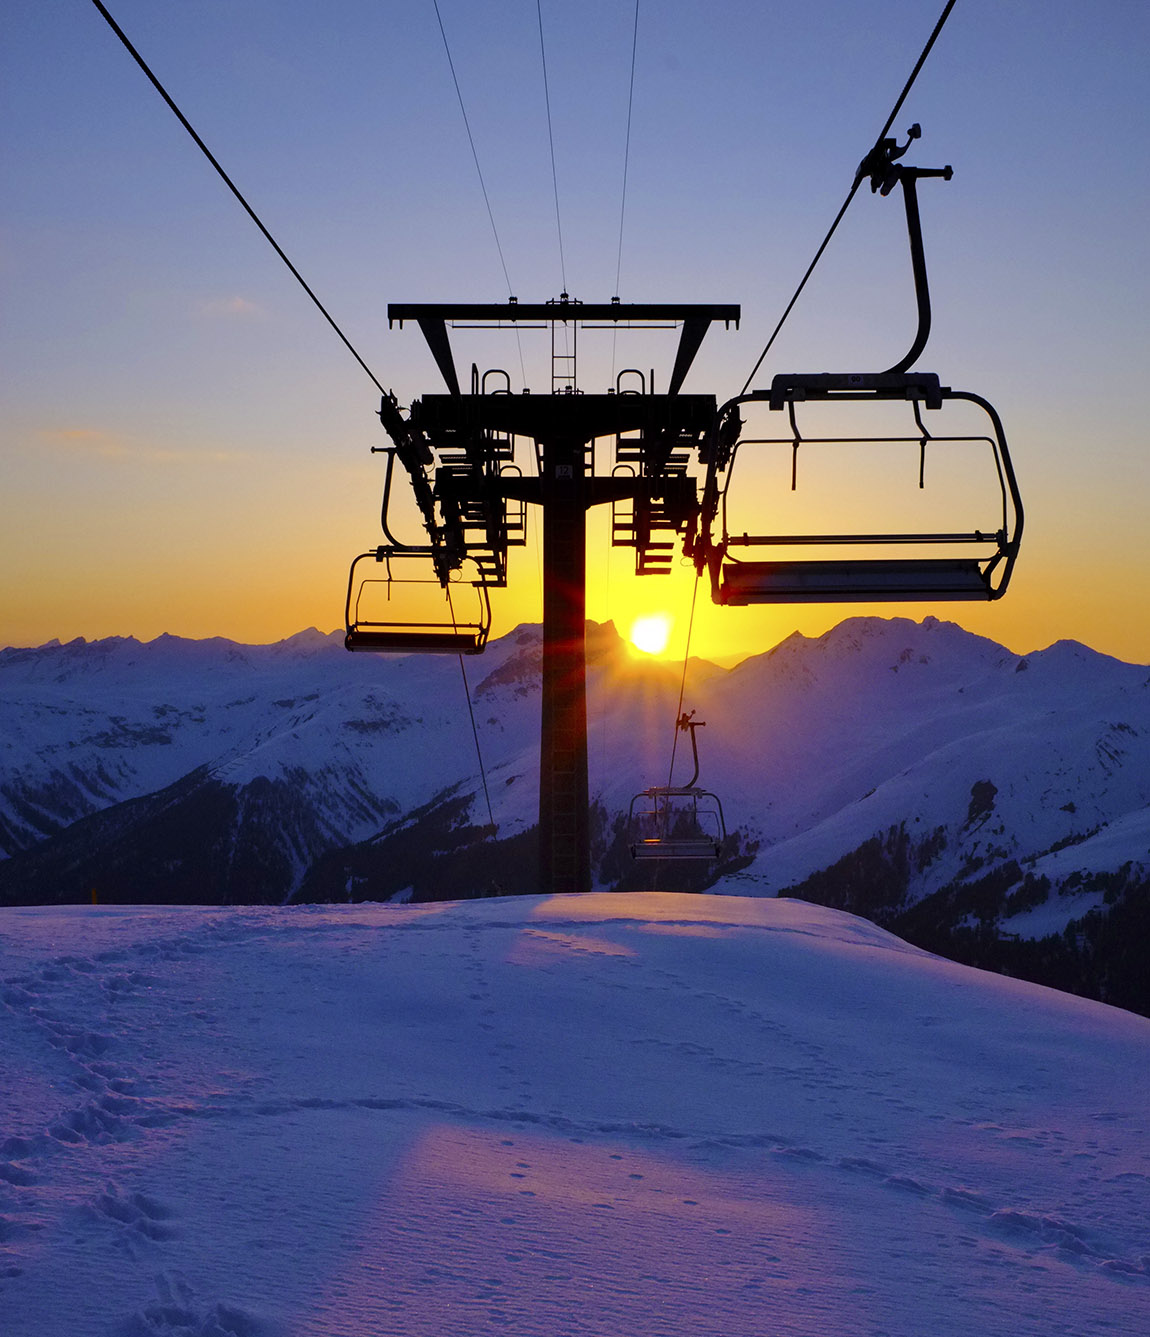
185, 442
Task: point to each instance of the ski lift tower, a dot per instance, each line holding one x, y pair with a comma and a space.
458, 450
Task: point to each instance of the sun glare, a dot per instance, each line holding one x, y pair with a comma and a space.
651, 633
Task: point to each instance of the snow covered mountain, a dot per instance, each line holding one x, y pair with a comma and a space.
973, 799
157, 771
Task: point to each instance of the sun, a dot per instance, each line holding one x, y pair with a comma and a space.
651, 632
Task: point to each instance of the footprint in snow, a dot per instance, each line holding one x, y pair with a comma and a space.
137, 1212
174, 1313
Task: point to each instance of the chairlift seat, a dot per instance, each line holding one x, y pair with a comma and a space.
425, 640
847, 581
675, 848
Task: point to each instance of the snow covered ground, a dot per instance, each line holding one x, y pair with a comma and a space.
598, 1115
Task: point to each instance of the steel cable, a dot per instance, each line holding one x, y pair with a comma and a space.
471, 141
683, 680
626, 165
482, 182
551, 142
627, 148
231, 185
478, 750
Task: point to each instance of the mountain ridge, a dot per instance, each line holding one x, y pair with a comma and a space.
886, 765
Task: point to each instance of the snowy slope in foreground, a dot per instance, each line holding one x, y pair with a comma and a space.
601, 1115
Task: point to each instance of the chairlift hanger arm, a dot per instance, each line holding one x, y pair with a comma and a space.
885, 173
687, 724
385, 505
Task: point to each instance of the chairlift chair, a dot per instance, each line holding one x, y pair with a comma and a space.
953, 563
677, 821
948, 563
375, 622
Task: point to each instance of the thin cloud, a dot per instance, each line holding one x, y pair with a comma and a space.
228, 308
98, 444
87, 441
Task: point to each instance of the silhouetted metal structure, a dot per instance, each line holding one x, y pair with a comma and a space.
459, 454
458, 451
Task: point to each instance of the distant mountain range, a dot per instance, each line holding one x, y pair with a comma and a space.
990, 806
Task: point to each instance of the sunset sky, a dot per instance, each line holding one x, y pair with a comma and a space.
185, 442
